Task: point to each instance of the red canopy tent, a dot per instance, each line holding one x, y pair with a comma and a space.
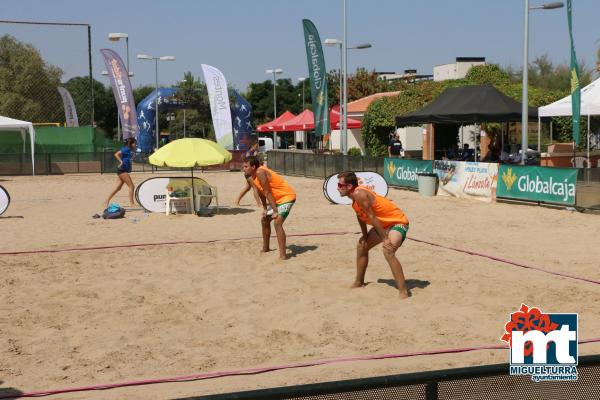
334, 118
272, 126
305, 121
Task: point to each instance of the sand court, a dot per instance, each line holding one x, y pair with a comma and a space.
119, 314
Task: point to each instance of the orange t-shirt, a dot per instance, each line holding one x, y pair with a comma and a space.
385, 211
282, 191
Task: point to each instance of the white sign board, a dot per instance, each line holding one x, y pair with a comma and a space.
152, 193
371, 180
4, 200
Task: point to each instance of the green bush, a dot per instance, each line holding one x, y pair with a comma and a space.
354, 152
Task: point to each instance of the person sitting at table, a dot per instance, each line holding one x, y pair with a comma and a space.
467, 153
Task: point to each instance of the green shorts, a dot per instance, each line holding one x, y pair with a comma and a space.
403, 229
283, 209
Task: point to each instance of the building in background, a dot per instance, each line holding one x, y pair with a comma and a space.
456, 70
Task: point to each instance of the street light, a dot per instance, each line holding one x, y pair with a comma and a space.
343, 80
163, 58
274, 71
302, 79
525, 101
115, 37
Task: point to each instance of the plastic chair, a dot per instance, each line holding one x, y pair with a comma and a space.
170, 200
580, 162
212, 194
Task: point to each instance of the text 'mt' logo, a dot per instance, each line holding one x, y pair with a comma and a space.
542, 345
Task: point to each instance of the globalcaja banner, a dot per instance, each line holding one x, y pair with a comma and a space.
121, 87
69, 105
219, 105
472, 180
400, 172
318, 77
545, 184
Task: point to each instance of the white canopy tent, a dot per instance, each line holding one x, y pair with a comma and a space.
9, 124
590, 105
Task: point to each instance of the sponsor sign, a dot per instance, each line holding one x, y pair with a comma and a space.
545, 184
4, 200
543, 346
318, 77
401, 172
152, 193
219, 105
119, 80
473, 180
371, 180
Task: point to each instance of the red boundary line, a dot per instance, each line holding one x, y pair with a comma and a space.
473, 253
255, 371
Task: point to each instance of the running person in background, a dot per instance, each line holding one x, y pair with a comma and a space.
390, 226
124, 156
277, 198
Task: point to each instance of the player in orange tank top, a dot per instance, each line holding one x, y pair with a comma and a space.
390, 226
277, 198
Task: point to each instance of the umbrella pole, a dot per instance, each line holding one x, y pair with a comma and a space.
193, 193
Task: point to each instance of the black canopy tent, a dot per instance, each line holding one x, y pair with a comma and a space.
468, 105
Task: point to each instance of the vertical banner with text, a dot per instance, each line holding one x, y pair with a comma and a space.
318, 77
575, 87
70, 110
121, 87
219, 105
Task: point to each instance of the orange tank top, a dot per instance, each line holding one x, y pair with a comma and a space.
282, 191
385, 211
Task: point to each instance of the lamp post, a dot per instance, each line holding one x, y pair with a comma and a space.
163, 58
115, 37
302, 79
274, 71
525, 100
343, 89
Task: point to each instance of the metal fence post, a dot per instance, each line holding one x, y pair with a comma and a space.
78, 162
49, 165
431, 390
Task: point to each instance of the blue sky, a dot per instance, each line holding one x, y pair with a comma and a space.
243, 38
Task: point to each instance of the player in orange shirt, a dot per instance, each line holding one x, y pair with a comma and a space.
390, 226
277, 197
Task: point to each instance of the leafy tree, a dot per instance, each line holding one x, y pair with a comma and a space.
28, 85
198, 118
289, 97
105, 108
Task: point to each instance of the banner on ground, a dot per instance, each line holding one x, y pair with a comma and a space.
219, 105
4, 200
152, 193
473, 180
575, 86
242, 122
121, 86
545, 184
318, 77
400, 172
371, 180
69, 106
